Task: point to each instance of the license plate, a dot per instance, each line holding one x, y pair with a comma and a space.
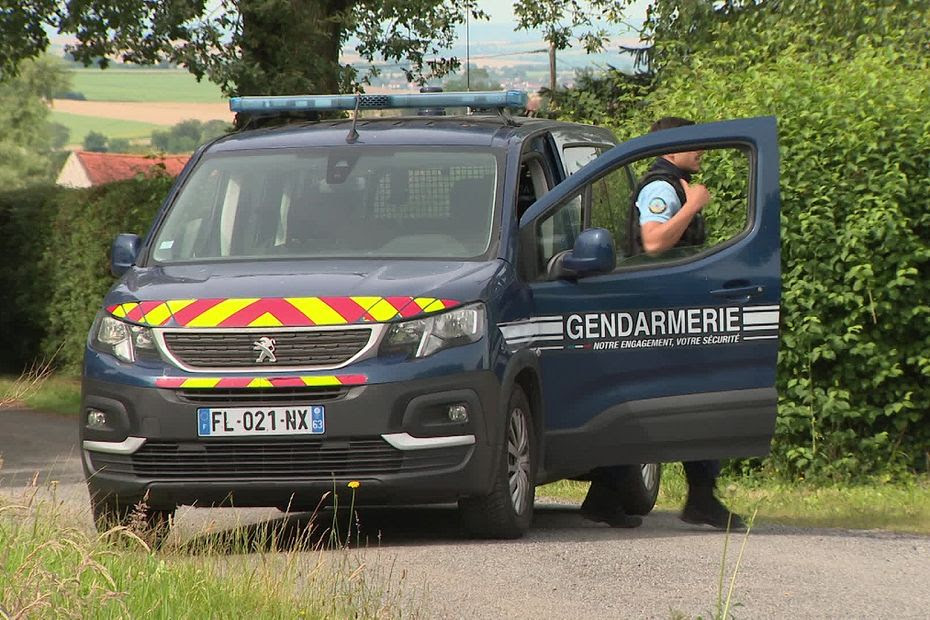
239, 421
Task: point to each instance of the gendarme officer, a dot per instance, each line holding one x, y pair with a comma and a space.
665, 212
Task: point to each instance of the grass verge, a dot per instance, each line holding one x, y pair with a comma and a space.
56, 393
896, 507
51, 568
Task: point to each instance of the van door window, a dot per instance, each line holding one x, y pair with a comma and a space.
725, 173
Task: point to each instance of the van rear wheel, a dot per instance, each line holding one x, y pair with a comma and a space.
508, 510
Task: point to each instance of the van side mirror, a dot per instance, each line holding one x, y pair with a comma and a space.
593, 253
123, 253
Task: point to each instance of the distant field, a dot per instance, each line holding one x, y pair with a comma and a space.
156, 112
144, 85
80, 126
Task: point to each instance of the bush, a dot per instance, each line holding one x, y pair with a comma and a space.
96, 142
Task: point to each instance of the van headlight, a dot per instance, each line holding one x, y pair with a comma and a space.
124, 341
422, 337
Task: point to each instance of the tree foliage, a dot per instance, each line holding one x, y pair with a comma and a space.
563, 21
27, 137
248, 47
757, 30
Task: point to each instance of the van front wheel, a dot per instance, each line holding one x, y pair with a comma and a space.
508, 510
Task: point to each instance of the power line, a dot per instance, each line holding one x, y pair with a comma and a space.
544, 50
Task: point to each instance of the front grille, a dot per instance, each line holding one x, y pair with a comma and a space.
270, 396
307, 460
304, 348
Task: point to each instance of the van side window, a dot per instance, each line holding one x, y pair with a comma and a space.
577, 156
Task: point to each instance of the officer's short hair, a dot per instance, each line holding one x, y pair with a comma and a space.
670, 122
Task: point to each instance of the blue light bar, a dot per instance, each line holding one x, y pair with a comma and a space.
325, 103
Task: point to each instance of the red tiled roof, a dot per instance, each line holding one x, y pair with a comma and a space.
108, 167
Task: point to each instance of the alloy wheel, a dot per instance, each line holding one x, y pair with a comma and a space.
650, 473
518, 459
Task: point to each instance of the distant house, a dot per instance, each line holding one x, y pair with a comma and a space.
87, 169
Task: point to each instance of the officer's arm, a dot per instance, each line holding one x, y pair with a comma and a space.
661, 236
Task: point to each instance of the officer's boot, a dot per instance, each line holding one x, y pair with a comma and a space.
602, 504
703, 507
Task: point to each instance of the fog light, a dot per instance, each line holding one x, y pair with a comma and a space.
458, 413
96, 418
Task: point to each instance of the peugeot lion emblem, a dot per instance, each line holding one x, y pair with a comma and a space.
265, 347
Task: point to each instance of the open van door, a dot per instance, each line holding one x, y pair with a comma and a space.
668, 357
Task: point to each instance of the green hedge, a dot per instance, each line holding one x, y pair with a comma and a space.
25, 218
60, 239
854, 364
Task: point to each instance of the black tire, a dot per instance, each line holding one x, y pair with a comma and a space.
151, 524
508, 510
639, 488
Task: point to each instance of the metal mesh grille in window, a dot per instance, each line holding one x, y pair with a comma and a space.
427, 192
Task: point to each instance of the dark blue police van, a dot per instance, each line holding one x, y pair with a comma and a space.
427, 309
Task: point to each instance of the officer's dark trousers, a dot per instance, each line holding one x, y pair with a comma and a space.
702, 474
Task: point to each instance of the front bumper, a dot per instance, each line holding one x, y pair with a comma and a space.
394, 439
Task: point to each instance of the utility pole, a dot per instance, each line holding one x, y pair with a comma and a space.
552, 82
467, 56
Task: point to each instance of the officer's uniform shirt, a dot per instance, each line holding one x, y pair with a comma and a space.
657, 202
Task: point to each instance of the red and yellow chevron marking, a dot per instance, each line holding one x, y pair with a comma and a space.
276, 311
207, 383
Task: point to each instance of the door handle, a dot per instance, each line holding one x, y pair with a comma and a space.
739, 292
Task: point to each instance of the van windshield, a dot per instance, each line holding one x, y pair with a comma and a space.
333, 202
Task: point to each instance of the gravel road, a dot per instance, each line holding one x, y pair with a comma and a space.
565, 567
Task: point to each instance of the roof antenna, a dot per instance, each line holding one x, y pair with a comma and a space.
353, 134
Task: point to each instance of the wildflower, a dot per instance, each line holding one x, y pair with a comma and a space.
354, 484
